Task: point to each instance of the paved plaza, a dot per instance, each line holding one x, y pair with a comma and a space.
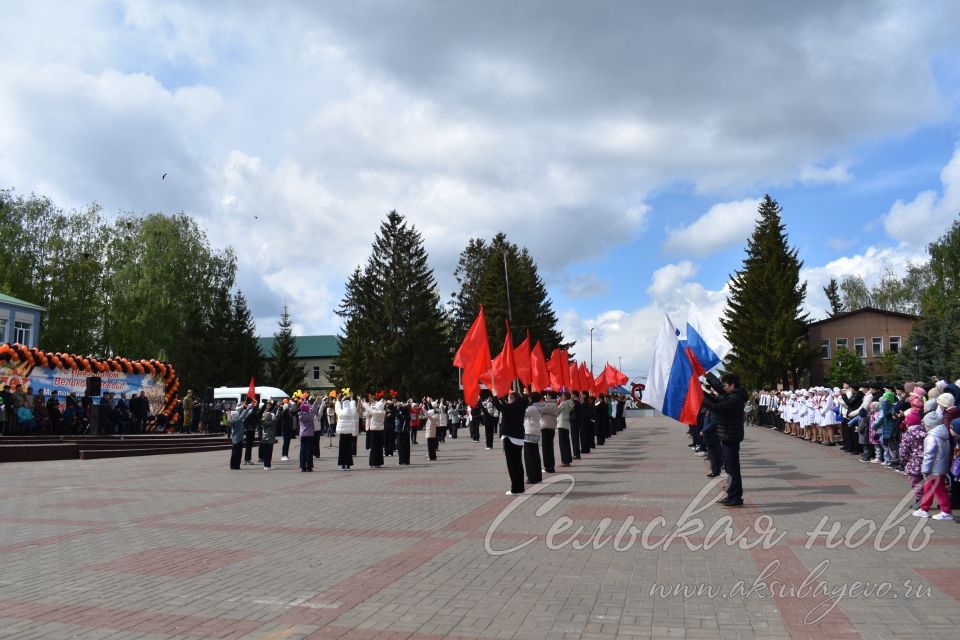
181, 547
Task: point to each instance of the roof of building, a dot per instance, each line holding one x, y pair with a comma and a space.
19, 302
846, 314
306, 346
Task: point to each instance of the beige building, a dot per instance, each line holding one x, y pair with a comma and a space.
867, 332
315, 354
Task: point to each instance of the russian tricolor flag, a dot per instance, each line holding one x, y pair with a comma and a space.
705, 339
673, 385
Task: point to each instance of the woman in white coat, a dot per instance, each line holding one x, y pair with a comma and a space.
348, 429
376, 413
431, 419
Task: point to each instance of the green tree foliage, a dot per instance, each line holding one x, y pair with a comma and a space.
396, 334
245, 360
140, 287
846, 367
901, 293
832, 291
285, 372
482, 275
54, 258
933, 348
763, 319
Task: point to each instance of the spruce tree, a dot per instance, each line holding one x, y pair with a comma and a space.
484, 273
285, 372
763, 319
832, 291
395, 333
248, 360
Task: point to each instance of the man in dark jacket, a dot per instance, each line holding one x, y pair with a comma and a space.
728, 413
512, 412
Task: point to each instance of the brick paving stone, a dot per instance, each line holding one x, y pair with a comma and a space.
181, 547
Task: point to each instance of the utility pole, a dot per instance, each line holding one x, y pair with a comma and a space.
592, 329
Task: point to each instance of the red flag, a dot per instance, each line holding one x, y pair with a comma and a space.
600, 383
573, 372
586, 379
503, 368
558, 368
473, 357
540, 375
567, 379
252, 391
521, 355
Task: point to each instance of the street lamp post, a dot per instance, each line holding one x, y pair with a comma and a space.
592, 329
620, 363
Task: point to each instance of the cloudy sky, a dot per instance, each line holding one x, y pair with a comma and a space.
626, 144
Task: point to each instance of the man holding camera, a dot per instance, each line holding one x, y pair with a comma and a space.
727, 408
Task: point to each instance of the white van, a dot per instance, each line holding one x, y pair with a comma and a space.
232, 396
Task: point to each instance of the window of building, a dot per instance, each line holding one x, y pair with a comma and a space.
316, 373
877, 347
3, 330
841, 343
895, 344
860, 347
825, 350
21, 332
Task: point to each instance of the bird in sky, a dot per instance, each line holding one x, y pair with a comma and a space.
163, 177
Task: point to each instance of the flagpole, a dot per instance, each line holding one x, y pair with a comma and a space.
506, 277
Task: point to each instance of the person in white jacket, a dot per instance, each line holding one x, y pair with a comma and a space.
563, 429
431, 419
548, 425
375, 413
531, 441
347, 428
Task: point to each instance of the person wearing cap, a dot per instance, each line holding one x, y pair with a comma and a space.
911, 452
886, 427
937, 453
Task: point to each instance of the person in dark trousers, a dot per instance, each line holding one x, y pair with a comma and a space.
563, 429
305, 418
512, 411
268, 434
621, 419
708, 430
489, 419
728, 413
237, 433
251, 424
548, 427
476, 412
402, 427
588, 417
576, 420
288, 422
602, 412
389, 429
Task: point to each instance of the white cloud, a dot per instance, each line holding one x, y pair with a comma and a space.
667, 278
871, 265
725, 224
929, 214
585, 285
836, 174
629, 336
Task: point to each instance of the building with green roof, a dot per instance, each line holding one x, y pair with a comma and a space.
315, 354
